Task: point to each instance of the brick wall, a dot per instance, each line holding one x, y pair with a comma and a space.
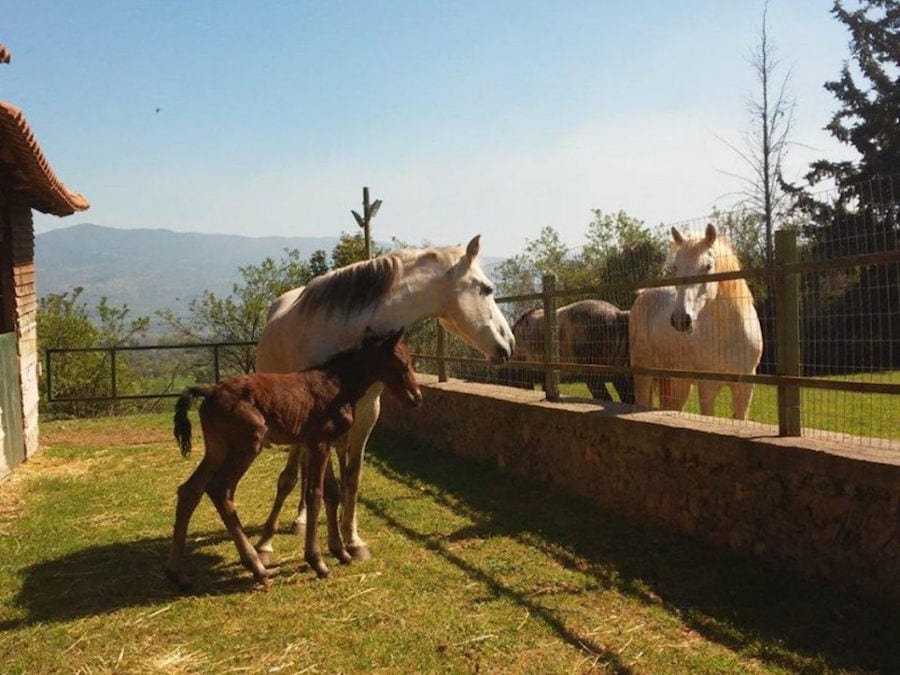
815, 507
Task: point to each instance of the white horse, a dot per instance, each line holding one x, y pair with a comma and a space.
710, 326
308, 325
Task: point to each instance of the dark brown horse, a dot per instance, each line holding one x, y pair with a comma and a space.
590, 332
313, 408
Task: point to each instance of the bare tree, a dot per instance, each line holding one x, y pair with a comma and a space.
766, 140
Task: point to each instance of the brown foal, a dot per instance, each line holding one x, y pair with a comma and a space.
242, 415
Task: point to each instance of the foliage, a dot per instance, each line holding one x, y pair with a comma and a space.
864, 216
351, 248
64, 322
618, 249
240, 316
869, 96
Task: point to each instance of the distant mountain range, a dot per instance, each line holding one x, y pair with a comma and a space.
151, 269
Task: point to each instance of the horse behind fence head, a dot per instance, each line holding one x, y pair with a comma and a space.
313, 407
710, 326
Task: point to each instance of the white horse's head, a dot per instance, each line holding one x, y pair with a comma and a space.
693, 256
470, 310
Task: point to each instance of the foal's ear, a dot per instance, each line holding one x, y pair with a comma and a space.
711, 234
677, 237
394, 338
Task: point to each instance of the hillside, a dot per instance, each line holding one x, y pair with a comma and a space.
149, 269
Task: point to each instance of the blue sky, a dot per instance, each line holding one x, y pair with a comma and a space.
496, 118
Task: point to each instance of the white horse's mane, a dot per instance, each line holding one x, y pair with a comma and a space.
351, 289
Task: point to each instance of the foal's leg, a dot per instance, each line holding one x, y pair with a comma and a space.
221, 490
332, 498
287, 480
365, 417
314, 465
189, 494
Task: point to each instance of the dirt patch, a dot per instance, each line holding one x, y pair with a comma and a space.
77, 434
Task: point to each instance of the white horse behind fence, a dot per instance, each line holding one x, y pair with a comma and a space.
711, 326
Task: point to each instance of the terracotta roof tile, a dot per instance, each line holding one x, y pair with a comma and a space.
24, 169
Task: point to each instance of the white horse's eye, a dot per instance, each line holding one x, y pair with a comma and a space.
484, 289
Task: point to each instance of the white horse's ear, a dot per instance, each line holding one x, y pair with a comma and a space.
677, 236
711, 234
473, 247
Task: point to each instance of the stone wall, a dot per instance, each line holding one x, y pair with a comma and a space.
816, 507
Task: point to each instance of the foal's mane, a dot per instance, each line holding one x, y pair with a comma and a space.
351, 289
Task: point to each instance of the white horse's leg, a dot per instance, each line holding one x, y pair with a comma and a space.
643, 390
367, 411
741, 394
708, 390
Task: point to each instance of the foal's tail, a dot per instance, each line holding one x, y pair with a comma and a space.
182, 423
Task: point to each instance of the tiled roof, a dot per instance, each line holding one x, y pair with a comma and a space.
25, 170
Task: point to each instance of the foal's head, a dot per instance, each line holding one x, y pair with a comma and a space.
387, 359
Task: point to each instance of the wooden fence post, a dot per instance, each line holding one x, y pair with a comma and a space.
365, 220
442, 351
551, 339
787, 334
112, 364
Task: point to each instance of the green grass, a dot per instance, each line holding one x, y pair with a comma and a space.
473, 571
849, 413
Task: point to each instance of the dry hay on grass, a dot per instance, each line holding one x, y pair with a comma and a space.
15, 485
82, 433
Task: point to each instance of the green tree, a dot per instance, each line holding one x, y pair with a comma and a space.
318, 263
240, 316
868, 118
65, 322
857, 309
351, 248
621, 249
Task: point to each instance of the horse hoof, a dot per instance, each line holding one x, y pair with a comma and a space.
342, 555
318, 566
182, 582
359, 552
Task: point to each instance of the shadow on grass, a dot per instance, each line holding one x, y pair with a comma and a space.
779, 618
102, 579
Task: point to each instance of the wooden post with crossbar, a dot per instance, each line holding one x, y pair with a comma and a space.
787, 334
365, 220
551, 339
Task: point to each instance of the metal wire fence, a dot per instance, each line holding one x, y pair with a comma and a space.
693, 322
805, 343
